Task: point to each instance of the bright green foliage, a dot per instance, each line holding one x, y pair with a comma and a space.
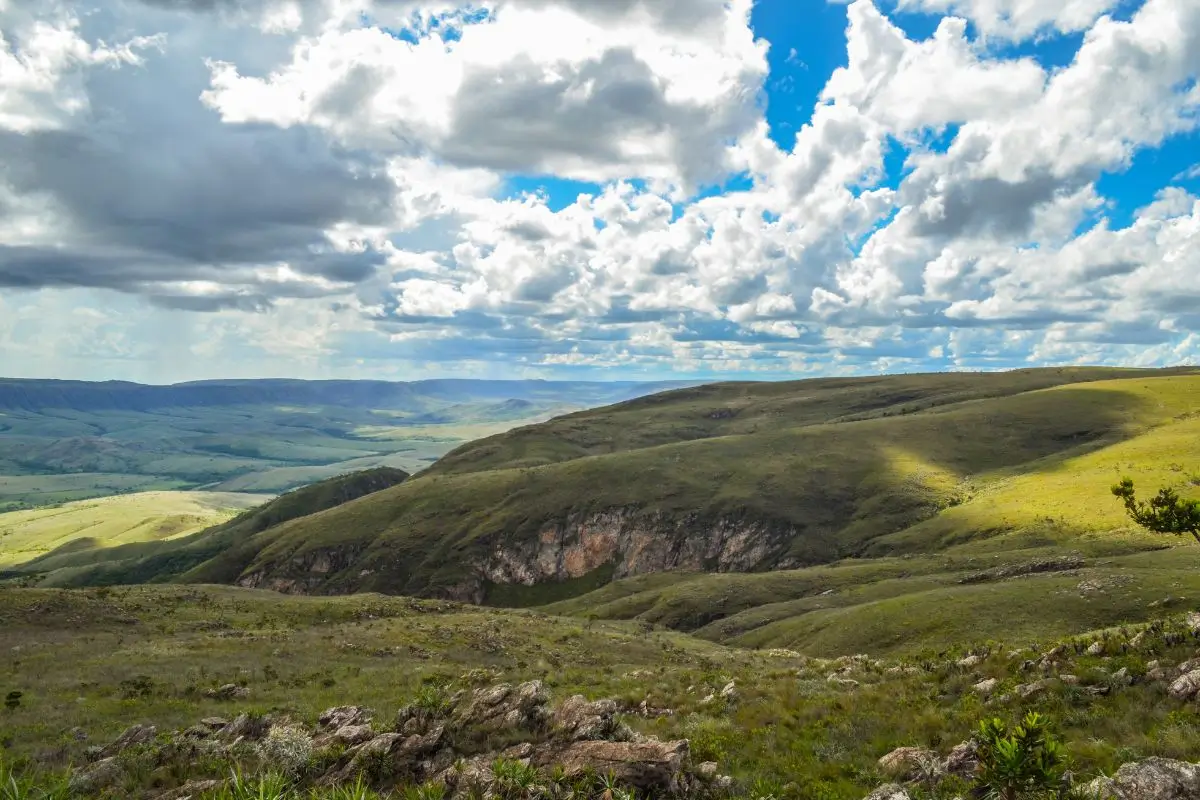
23, 785
1166, 512
1022, 762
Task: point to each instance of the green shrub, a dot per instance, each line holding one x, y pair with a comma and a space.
1022, 762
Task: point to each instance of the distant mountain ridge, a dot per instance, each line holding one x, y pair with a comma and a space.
34, 394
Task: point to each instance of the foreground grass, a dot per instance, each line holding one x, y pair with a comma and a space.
93, 662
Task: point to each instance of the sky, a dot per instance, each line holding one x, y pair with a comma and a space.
596, 189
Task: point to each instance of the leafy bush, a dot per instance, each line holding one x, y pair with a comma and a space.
1022, 762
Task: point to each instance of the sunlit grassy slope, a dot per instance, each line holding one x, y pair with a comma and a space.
216, 554
1004, 516
112, 521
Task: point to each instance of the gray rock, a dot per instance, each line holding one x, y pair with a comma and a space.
1096, 649
351, 735
986, 687
909, 763
578, 720
1028, 690
962, 760
1188, 666
230, 691
247, 727
334, 718
133, 735
889, 791
1186, 686
648, 766
1152, 779
504, 707
96, 777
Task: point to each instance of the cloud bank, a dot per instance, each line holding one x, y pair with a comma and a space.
192, 188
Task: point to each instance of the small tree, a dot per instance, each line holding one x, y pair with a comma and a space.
1022, 762
1166, 512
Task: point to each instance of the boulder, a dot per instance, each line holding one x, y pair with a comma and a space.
1192, 620
962, 760
230, 691
1028, 690
1096, 649
1188, 666
889, 791
970, 661
1186, 686
1152, 779
987, 687
247, 727
334, 718
133, 735
94, 778
648, 766
909, 763
504, 707
577, 720
397, 746
351, 735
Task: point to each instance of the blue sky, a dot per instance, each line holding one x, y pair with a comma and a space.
558, 188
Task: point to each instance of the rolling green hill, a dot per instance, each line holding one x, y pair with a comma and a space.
744, 478
757, 478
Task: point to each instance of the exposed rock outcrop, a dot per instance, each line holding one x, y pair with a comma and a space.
630, 542
635, 544
910, 763
446, 739
1152, 779
889, 791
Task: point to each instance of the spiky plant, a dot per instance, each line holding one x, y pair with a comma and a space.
1022, 762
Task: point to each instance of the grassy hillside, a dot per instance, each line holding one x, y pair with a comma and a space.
111, 521
215, 554
844, 468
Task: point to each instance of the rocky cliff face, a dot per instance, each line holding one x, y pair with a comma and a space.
635, 544
631, 543
303, 574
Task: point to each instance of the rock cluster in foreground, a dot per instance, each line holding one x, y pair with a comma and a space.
458, 742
